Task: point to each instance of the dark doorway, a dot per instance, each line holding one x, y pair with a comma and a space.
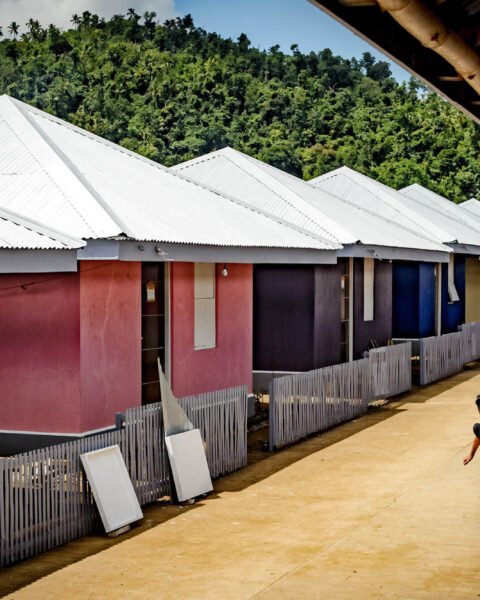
345, 308
153, 329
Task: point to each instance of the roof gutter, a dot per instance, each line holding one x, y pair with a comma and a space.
432, 33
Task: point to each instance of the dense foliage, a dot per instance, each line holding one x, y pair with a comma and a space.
174, 91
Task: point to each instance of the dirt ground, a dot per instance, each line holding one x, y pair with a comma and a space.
381, 507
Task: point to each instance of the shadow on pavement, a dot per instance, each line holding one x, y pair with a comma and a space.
261, 464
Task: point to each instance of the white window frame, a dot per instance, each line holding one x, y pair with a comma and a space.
205, 310
368, 289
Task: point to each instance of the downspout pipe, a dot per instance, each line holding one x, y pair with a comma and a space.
432, 33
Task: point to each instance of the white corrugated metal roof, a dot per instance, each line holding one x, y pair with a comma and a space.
88, 187
472, 207
442, 212
312, 208
377, 198
36, 181
241, 176
19, 233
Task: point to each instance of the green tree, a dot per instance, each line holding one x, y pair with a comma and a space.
174, 91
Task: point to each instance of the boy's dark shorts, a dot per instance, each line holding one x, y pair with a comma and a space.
476, 430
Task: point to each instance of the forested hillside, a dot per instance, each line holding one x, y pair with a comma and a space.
175, 91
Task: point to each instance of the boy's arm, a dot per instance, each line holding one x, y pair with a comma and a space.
475, 445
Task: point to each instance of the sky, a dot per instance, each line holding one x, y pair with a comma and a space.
266, 22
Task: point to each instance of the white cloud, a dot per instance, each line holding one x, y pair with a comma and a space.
59, 12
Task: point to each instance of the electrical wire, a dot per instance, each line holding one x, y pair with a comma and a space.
25, 286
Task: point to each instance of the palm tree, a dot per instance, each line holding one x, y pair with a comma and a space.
34, 28
132, 15
148, 18
13, 28
75, 20
86, 18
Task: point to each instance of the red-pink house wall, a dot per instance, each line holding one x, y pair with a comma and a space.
230, 362
40, 353
110, 339
70, 348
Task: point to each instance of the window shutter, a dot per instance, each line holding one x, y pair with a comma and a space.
205, 306
368, 289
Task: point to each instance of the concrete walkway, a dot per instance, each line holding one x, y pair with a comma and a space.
378, 508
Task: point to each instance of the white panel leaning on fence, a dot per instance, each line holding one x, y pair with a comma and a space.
185, 447
45, 498
112, 489
306, 403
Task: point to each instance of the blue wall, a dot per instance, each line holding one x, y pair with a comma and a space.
453, 314
413, 311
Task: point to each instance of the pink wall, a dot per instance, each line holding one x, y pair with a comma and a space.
110, 338
230, 363
40, 353
59, 376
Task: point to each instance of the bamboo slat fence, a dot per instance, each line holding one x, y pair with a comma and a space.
390, 370
442, 356
306, 403
472, 341
45, 498
222, 419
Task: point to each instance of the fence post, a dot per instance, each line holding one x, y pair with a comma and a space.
271, 417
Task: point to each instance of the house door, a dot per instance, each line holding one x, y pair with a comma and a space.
153, 328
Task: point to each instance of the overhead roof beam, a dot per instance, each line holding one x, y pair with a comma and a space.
432, 33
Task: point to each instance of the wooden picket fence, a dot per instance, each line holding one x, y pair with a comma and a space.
306, 403
45, 498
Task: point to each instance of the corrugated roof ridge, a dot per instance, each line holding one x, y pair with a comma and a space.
61, 191
401, 225
244, 204
285, 222
198, 160
253, 176
389, 221
362, 208
357, 178
224, 152
160, 167
251, 159
441, 200
40, 228
24, 109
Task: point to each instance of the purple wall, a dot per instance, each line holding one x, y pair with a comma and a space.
328, 331
296, 318
380, 329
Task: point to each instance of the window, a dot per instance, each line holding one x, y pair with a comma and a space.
204, 299
452, 290
368, 289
